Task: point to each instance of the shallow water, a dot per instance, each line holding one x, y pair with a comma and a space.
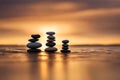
84, 63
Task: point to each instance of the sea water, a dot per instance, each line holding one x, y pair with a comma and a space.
84, 63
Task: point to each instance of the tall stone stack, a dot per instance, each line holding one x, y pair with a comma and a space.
34, 45
65, 46
50, 42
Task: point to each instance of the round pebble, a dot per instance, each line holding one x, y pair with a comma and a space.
65, 51
50, 33
33, 40
50, 44
50, 40
34, 45
65, 45
65, 48
65, 41
35, 36
33, 50
51, 49
51, 37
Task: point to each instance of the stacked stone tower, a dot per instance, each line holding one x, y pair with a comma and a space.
34, 45
65, 46
50, 42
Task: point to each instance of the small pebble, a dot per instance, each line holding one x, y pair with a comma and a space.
35, 36
51, 37
65, 45
33, 40
50, 33
65, 41
33, 50
50, 44
65, 48
65, 51
51, 49
34, 45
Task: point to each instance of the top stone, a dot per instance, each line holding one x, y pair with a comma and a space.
50, 33
65, 41
35, 36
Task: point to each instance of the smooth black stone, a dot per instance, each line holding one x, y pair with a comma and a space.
34, 45
65, 51
50, 41
65, 41
65, 45
66, 48
50, 44
51, 37
51, 49
50, 33
35, 36
33, 50
33, 40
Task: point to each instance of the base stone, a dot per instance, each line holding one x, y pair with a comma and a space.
33, 50
65, 51
51, 49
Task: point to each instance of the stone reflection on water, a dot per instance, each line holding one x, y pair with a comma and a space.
74, 66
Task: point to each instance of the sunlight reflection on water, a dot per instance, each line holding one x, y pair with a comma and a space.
84, 63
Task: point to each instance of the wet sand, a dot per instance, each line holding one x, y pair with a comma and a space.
84, 63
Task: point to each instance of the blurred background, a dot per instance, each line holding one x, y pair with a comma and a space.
80, 21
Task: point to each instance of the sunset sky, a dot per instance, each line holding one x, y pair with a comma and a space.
80, 21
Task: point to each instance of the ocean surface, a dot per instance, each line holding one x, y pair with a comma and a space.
84, 63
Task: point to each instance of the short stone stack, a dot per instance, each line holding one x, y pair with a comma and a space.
65, 46
34, 45
50, 42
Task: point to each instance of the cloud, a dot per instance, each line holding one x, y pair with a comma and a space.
88, 18
9, 32
24, 8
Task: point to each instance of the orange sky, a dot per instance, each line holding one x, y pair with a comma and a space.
82, 22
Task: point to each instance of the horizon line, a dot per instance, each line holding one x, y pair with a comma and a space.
70, 45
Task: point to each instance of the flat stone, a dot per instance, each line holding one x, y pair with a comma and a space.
51, 37
35, 36
65, 48
33, 40
33, 50
50, 44
65, 45
34, 45
50, 33
50, 40
65, 51
51, 49
65, 41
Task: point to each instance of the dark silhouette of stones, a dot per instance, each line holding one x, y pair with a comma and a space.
33, 40
35, 36
65, 46
50, 33
65, 51
50, 42
34, 45
51, 37
33, 50
51, 49
65, 41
